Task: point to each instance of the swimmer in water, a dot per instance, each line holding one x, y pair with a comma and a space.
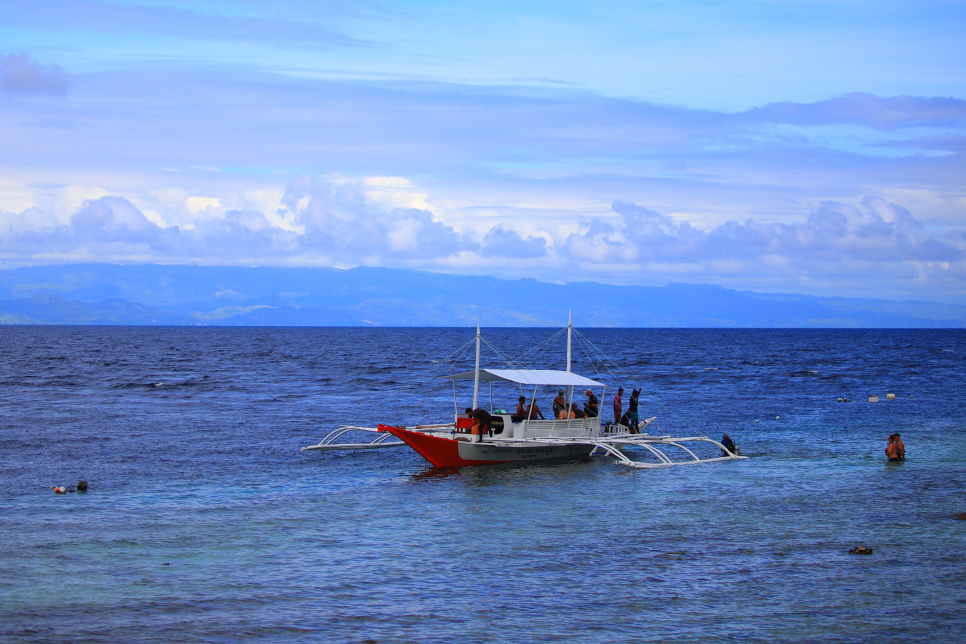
892, 450
901, 447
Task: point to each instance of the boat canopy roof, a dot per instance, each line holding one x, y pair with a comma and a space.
530, 377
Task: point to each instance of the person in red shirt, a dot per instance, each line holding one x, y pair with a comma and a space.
618, 406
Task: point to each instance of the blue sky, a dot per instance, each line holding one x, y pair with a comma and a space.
812, 147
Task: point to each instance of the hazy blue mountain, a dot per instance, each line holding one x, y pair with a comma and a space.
207, 295
44, 308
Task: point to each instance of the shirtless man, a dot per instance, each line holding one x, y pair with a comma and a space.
533, 411
892, 450
901, 447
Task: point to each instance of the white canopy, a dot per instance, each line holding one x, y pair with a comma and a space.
531, 377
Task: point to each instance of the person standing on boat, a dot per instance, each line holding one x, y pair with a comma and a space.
482, 422
618, 406
559, 403
892, 450
591, 409
633, 419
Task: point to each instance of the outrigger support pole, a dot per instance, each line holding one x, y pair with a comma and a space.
612, 447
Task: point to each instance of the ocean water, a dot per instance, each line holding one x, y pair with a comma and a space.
204, 522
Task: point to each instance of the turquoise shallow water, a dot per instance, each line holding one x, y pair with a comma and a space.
205, 523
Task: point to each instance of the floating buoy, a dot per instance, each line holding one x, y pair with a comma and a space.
757, 421
58, 489
873, 399
890, 396
778, 417
861, 550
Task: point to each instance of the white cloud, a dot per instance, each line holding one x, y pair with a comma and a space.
322, 222
199, 204
503, 241
515, 182
871, 244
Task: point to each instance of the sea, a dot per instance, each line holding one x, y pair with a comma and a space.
204, 521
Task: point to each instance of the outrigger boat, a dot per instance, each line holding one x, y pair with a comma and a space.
513, 439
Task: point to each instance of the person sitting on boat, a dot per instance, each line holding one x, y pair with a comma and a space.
533, 411
521, 413
565, 414
482, 423
559, 403
730, 449
575, 411
591, 407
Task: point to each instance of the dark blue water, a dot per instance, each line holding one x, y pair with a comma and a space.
205, 523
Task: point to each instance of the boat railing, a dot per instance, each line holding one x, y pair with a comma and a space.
562, 427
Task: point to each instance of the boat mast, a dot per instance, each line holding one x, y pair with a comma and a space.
476, 369
570, 328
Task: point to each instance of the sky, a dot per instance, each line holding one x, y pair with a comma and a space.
776, 146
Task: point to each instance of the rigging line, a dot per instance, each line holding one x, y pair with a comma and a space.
500, 354
454, 355
603, 357
596, 357
600, 358
613, 368
653, 402
542, 345
452, 364
530, 356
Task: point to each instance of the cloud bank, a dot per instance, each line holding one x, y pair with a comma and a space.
320, 222
854, 195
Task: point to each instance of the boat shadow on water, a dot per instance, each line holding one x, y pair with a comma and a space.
500, 471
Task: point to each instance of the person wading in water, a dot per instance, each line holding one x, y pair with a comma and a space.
892, 450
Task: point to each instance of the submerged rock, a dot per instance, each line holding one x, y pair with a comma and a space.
961, 516
861, 550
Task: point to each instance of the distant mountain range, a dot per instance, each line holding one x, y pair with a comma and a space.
234, 296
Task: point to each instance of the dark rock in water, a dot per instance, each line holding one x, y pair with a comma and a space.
82, 486
961, 516
861, 550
